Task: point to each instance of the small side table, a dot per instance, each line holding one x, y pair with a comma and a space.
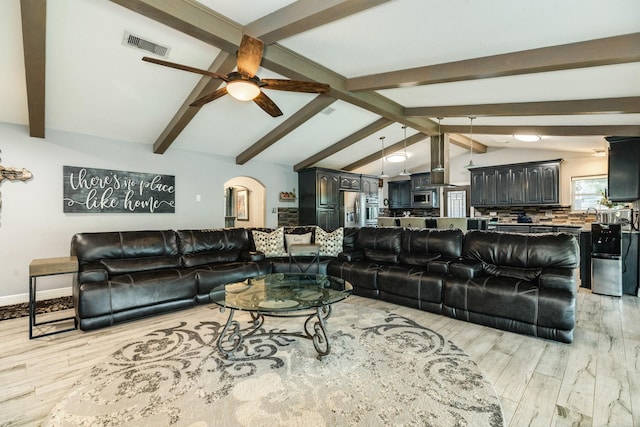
48, 267
302, 249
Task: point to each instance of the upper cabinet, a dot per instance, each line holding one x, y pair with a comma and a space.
350, 182
535, 183
370, 185
421, 181
399, 194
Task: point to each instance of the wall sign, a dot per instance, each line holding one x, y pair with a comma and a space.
111, 191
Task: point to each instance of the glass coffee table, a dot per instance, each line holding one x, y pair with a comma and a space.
280, 295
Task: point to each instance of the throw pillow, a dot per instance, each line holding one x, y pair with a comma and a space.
297, 239
272, 244
330, 243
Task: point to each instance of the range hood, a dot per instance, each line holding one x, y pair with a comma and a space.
440, 161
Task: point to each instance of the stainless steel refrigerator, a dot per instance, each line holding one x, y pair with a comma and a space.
352, 209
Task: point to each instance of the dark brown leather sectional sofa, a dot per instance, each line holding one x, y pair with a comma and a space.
523, 283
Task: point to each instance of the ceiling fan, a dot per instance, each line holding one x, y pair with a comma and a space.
244, 84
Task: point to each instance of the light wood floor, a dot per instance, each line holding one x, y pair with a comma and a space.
593, 382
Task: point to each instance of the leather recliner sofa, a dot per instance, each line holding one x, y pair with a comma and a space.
524, 283
520, 283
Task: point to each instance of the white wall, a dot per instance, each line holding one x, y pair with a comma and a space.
32, 224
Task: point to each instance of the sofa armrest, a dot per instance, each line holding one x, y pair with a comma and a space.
92, 275
351, 256
466, 268
253, 256
558, 278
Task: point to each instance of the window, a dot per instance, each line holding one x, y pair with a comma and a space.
456, 203
587, 191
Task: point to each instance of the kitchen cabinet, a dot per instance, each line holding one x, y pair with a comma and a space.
421, 181
350, 182
319, 197
370, 186
523, 184
399, 194
483, 187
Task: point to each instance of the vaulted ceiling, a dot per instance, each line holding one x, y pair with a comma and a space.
569, 71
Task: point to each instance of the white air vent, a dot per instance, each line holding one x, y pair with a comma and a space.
139, 43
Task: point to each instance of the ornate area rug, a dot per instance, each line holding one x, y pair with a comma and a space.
44, 306
383, 370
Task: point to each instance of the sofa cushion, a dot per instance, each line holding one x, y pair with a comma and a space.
92, 247
522, 250
297, 239
417, 259
211, 257
197, 241
330, 243
271, 244
444, 242
130, 265
386, 257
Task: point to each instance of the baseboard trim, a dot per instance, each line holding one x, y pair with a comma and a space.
46, 294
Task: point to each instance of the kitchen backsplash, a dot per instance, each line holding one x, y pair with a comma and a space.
538, 215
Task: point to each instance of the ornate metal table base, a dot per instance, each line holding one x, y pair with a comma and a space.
315, 329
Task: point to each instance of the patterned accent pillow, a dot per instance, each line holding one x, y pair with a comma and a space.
330, 243
272, 244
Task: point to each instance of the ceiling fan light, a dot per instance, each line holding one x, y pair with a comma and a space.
243, 90
396, 158
527, 137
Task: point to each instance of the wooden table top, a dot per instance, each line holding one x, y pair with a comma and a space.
49, 266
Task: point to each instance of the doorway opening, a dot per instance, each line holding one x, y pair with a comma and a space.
245, 202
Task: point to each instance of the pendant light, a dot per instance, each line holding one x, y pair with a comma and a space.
382, 174
404, 172
439, 168
470, 165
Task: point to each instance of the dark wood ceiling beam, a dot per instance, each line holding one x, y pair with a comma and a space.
606, 51
34, 25
304, 15
344, 143
625, 105
318, 104
390, 149
212, 28
606, 130
466, 142
223, 64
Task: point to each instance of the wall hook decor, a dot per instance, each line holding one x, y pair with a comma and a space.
13, 174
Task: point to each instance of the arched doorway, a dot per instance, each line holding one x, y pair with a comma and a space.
245, 202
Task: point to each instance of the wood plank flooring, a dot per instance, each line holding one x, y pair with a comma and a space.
593, 382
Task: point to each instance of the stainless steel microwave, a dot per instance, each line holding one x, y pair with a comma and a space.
422, 199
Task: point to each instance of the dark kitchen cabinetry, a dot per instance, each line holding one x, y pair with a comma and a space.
535, 183
370, 186
319, 198
350, 182
483, 187
421, 181
399, 194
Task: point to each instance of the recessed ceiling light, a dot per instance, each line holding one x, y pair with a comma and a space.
395, 158
527, 138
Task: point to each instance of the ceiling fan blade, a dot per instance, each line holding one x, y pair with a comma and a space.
267, 105
209, 97
295, 86
185, 68
249, 55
